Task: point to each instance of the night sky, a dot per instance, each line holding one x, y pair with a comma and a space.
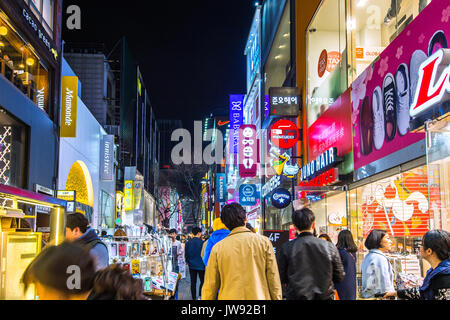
191, 53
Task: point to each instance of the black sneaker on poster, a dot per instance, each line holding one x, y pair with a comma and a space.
403, 103
437, 41
390, 106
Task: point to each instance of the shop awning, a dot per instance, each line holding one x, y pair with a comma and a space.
30, 196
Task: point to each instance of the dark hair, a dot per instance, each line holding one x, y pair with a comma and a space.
303, 219
233, 215
439, 242
172, 231
116, 283
51, 267
75, 220
196, 230
374, 238
327, 237
346, 242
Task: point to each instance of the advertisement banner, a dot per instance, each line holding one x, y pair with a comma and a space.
69, 95
332, 129
221, 187
386, 95
236, 119
248, 194
248, 151
128, 200
107, 158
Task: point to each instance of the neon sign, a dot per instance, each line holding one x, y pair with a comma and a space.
324, 161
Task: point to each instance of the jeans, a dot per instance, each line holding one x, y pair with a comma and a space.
193, 274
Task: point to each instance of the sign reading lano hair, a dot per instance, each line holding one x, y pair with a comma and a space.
69, 107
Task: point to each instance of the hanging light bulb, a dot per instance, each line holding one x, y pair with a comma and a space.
3, 31
29, 62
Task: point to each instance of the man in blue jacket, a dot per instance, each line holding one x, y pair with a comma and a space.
220, 233
194, 261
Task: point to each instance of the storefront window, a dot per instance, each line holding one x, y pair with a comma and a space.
13, 150
44, 10
372, 25
278, 63
20, 65
326, 65
107, 210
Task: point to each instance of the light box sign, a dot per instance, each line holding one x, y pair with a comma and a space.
69, 96
128, 200
221, 187
107, 158
284, 102
236, 119
322, 163
266, 106
401, 90
248, 151
248, 195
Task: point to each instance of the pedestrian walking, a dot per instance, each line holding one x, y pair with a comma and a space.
220, 232
377, 271
347, 250
177, 250
78, 230
436, 286
194, 261
67, 272
243, 265
308, 265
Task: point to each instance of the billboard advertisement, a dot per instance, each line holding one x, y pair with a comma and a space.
236, 119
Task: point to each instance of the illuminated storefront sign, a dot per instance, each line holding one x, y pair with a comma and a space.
284, 134
284, 102
271, 185
107, 158
324, 161
328, 177
41, 35
248, 194
221, 187
281, 198
248, 151
69, 97
66, 195
128, 200
236, 119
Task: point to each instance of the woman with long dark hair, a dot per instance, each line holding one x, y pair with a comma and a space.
347, 250
436, 286
67, 272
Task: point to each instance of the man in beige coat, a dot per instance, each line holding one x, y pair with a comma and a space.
243, 265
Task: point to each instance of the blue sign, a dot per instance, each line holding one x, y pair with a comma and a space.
221, 187
248, 195
281, 198
236, 119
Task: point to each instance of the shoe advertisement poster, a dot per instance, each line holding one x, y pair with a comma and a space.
383, 96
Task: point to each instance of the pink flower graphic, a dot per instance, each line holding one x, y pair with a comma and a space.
445, 14
369, 74
383, 66
408, 33
355, 116
358, 90
421, 38
399, 52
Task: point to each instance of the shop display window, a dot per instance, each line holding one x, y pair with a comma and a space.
20, 64
107, 210
326, 58
13, 150
278, 63
372, 25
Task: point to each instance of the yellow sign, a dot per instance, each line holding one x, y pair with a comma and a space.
69, 97
128, 200
66, 195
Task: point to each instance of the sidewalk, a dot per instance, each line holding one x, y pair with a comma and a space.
184, 288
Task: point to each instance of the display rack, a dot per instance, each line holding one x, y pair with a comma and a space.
146, 258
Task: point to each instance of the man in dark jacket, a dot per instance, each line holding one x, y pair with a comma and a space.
78, 230
194, 260
308, 265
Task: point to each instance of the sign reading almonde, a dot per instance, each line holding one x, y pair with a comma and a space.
69, 107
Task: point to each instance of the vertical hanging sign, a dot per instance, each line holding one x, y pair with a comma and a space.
248, 151
236, 119
107, 158
69, 95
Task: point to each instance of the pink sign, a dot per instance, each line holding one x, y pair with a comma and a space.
384, 93
248, 151
332, 129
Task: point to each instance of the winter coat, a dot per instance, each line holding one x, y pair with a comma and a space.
347, 288
97, 248
215, 237
242, 267
309, 266
377, 274
192, 254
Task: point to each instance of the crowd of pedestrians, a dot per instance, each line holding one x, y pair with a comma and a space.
236, 263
